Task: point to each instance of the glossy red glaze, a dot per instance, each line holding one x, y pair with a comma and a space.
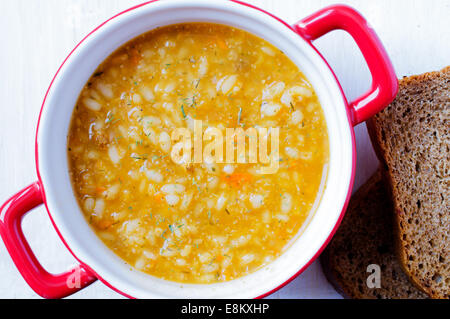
42, 282
384, 88
384, 81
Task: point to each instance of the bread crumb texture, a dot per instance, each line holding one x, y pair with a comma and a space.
365, 237
412, 135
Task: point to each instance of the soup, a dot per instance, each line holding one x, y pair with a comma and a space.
197, 221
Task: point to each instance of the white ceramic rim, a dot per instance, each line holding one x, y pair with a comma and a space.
55, 120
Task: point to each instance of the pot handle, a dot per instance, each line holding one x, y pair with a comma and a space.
384, 81
42, 282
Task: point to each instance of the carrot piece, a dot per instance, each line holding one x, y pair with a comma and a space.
222, 44
135, 57
295, 164
237, 179
218, 42
158, 197
104, 224
100, 189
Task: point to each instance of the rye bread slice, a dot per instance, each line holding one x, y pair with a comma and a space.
412, 139
365, 237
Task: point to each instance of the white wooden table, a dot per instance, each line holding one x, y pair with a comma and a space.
37, 34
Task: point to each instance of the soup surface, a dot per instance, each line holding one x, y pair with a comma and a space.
197, 222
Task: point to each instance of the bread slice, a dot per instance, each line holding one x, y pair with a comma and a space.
365, 237
412, 137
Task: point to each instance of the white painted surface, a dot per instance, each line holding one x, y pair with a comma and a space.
37, 35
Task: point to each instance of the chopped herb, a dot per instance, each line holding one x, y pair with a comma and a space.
239, 116
155, 157
182, 111
194, 102
136, 157
109, 117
